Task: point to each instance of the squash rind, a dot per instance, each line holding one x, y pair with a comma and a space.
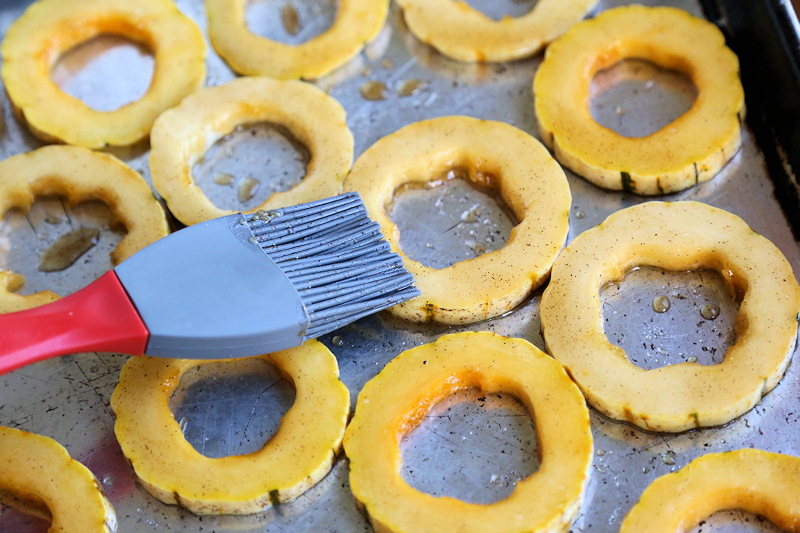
49, 28
756, 481
182, 135
356, 23
396, 400
691, 149
461, 32
298, 456
531, 183
38, 471
678, 236
78, 174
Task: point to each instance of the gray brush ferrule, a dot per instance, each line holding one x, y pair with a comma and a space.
209, 291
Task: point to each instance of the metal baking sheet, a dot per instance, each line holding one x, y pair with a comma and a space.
471, 446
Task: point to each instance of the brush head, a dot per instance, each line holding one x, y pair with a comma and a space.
336, 258
240, 285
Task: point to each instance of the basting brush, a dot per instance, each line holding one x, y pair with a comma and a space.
235, 286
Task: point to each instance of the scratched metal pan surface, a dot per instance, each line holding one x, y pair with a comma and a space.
472, 447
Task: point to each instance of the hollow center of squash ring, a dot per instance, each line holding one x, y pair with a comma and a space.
471, 446
662, 318
231, 408
500, 9
457, 217
105, 72
58, 247
243, 168
15, 515
289, 21
636, 98
734, 520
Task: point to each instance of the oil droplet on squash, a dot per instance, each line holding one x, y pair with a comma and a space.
410, 87
67, 249
247, 189
290, 20
709, 311
373, 90
661, 304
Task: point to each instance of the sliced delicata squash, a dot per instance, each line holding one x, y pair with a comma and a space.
50, 28
691, 149
182, 135
530, 182
756, 481
299, 455
396, 400
37, 474
459, 31
78, 174
676, 237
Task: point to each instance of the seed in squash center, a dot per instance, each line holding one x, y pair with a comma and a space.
290, 20
247, 189
373, 90
67, 249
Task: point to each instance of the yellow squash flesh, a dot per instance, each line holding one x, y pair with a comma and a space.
691, 149
356, 23
182, 135
530, 183
396, 400
677, 237
756, 481
41, 477
459, 31
300, 453
78, 175
50, 28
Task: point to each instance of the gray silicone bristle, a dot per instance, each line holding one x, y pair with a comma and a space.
336, 259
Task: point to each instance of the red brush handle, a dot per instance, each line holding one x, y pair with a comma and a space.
98, 318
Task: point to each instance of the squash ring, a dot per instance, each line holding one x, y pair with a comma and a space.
182, 135
49, 28
756, 481
531, 183
357, 22
679, 236
461, 32
396, 400
294, 459
40, 476
78, 174
690, 150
